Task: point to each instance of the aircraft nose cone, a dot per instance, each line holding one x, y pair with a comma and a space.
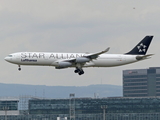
6, 59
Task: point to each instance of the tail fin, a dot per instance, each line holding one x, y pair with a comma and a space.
142, 47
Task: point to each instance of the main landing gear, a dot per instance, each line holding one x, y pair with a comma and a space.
19, 68
79, 71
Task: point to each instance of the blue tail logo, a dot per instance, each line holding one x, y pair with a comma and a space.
142, 47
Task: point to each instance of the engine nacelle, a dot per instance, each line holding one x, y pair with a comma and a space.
60, 65
82, 60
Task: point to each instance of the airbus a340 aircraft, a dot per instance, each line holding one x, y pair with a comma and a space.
80, 60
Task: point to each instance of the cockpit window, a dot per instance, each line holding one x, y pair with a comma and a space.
10, 56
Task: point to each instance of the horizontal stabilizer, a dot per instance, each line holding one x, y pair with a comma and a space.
144, 57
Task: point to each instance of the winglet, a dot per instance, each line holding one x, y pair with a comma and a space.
104, 51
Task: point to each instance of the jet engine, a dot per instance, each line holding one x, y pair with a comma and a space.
82, 60
61, 65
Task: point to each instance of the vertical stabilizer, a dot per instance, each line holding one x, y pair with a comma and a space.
142, 47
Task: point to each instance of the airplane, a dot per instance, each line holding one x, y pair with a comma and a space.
81, 60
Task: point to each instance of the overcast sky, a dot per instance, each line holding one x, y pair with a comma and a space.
75, 26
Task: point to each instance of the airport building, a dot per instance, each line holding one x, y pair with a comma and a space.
10, 105
141, 101
94, 106
141, 82
112, 108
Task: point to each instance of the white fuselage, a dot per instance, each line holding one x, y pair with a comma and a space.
51, 59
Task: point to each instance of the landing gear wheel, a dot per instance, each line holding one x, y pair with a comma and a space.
79, 69
81, 72
19, 68
76, 71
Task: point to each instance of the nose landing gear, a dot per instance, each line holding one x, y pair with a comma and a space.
19, 68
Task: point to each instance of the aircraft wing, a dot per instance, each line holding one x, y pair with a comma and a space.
95, 55
79, 61
86, 57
